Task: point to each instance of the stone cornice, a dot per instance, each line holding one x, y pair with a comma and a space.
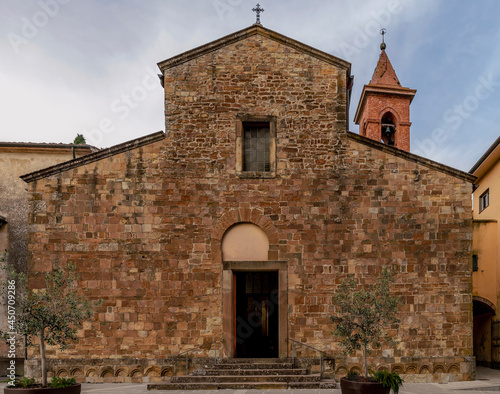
93, 157
248, 32
33, 147
381, 89
412, 157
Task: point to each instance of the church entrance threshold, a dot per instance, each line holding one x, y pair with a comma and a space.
256, 317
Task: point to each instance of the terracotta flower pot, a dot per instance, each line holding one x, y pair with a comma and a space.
75, 389
351, 387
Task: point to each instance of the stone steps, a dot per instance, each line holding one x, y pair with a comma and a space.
245, 378
246, 374
252, 366
243, 386
217, 372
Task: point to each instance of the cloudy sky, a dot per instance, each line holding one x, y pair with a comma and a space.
89, 66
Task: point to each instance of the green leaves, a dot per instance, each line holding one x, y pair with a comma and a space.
62, 382
388, 379
79, 139
53, 314
56, 311
363, 314
25, 382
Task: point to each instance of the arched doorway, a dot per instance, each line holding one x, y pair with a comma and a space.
486, 333
254, 305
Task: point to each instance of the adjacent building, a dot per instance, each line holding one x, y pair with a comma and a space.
486, 257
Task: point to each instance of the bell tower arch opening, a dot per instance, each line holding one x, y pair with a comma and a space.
388, 129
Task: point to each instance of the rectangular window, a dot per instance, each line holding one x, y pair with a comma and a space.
256, 142
255, 146
475, 262
484, 200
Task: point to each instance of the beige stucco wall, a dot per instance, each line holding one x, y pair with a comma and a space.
484, 245
486, 238
486, 241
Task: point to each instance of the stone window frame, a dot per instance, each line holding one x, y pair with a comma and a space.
240, 119
484, 200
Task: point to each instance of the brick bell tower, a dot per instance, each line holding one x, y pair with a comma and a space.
383, 112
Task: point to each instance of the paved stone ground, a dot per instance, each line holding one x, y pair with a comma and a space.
488, 381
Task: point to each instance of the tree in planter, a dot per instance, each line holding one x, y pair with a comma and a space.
51, 315
364, 314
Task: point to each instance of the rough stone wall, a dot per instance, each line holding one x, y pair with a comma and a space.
417, 220
16, 161
140, 225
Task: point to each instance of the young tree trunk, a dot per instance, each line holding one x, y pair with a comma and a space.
366, 361
43, 359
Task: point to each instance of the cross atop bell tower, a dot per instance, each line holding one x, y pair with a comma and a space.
383, 112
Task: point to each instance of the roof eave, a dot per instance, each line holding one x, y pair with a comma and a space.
93, 157
478, 168
412, 157
45, 147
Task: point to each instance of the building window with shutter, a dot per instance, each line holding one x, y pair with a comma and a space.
256, 146
256, 141
484, 200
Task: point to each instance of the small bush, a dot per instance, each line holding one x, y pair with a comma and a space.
25, 382
62, 382
389, 379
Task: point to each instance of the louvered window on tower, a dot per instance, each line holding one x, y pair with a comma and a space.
256, 146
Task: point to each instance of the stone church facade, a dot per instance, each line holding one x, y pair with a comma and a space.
238, 223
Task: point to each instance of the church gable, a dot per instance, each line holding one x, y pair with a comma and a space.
255, 29
257, 78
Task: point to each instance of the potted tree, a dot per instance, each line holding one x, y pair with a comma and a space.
361, 321
47, 316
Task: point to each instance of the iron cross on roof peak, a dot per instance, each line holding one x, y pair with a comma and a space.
258, 10
382, 33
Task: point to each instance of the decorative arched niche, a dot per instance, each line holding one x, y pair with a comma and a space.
245, 242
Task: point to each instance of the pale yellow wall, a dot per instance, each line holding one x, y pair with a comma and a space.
491, 181
245, 242
484, 244
486, 237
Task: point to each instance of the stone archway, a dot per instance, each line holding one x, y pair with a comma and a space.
238, 226
485, 332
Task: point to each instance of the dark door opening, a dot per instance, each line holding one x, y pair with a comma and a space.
256, 314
